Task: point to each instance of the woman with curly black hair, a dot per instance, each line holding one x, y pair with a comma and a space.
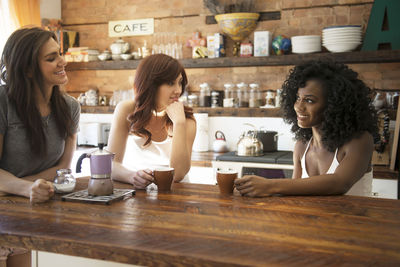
334, 122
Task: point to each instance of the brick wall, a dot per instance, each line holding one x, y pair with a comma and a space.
298, 17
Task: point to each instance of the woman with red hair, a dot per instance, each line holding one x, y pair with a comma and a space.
154, 129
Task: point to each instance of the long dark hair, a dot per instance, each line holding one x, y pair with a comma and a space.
20, 71
152, 72
349, 110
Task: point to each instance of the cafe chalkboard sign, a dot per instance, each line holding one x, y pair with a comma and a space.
131, 27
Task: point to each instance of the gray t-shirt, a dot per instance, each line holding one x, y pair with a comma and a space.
17, 157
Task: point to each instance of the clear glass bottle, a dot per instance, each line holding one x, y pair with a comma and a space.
205, 95
253, 96
278, 98
270, 99
145, 50
193, 101
228, 95
242, 95
260, 98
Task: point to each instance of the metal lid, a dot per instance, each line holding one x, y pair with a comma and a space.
101, 151
63, 171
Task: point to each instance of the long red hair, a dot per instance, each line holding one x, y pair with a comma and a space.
152, 72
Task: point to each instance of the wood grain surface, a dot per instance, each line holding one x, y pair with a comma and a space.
195, 225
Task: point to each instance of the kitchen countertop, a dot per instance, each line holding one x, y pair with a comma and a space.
195, 225
204, 159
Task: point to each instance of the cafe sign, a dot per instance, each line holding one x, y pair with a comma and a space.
131, 27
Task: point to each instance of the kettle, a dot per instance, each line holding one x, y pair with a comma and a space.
219, 144
100, 183
119, 47
249, 144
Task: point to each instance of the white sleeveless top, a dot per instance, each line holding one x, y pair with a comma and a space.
154, 155
362, 187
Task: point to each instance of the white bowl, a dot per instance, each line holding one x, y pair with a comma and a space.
342, 28
136, 55
116, 56
342, 38
340, 41
306, 44
126, 56
341, 47
306, 37
103, 57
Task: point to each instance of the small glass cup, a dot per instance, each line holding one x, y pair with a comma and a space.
64, 182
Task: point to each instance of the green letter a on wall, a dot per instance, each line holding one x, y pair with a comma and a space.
383, 25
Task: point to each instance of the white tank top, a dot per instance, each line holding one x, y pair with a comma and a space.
362, 187
155, 154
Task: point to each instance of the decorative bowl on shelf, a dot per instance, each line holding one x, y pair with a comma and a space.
126, 56
237, 26
116, 56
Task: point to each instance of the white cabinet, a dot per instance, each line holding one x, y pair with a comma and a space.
384, 188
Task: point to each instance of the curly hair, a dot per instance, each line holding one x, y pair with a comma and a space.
348, 112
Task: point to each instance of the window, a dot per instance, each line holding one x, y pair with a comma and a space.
7, 26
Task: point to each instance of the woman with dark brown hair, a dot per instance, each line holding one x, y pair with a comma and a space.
154, 129
38, 122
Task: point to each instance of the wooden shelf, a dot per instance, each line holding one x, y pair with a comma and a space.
237, 112
240, 112
383, 56
97, 109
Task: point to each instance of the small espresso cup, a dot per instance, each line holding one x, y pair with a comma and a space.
225, 180
163, 177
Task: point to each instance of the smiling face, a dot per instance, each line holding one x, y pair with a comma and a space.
169, 93
52, 64
310, 104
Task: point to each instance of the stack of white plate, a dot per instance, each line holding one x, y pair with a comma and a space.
306, 44
341, 38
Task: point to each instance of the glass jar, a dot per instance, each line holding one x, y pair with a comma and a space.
242, 95
205, 95
270, 99
395, 101
193, 101
64, 182
278, 98
228, 95
214, 99
260, 98
253, 96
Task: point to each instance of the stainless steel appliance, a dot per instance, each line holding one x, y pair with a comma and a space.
93, 133
100, 183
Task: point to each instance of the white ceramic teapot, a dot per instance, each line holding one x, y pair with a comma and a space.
119, 47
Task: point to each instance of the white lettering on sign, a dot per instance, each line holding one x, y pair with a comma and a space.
130, 27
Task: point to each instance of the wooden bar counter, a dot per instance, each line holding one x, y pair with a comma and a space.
195, 225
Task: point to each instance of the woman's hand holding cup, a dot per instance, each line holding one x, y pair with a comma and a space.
142, 178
